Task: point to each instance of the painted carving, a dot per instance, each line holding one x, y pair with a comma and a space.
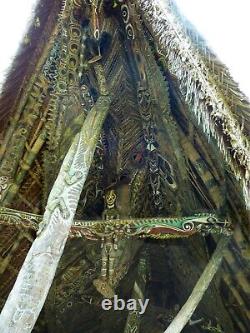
3, 185
125, 228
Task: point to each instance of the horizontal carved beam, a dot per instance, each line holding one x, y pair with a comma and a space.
158, 227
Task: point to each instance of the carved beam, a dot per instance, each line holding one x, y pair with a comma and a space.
158, 227
28, 295
201, 286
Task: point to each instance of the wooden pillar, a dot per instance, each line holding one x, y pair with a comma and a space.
134, 318
28, 295
201, 286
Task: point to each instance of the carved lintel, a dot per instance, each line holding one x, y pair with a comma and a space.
158, 227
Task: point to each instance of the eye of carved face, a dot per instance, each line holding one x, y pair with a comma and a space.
125, 13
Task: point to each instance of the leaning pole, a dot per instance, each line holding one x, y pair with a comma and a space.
28, 295
186, 312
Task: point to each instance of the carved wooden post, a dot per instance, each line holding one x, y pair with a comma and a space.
201, 286
134, 318
36, 275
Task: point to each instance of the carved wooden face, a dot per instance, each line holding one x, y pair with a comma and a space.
110, 198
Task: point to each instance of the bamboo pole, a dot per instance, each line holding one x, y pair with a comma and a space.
201, 286
25, 166
24, 96
28, 295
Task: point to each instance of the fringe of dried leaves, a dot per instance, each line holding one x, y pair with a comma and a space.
198, 84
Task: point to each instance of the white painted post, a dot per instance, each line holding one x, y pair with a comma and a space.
28, 295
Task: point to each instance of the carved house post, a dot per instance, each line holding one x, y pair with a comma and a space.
28, 295
134, 318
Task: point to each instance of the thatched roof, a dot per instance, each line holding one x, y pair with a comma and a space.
25, 63
206, 84
193, 98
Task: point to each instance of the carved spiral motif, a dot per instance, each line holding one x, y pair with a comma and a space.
130, 31
188, 226
125, 13
75, 32
22, 131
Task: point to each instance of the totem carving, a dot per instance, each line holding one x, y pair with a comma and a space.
109, 245
4, 180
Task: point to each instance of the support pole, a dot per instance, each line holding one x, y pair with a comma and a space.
201, 286
134, 318
28, 295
